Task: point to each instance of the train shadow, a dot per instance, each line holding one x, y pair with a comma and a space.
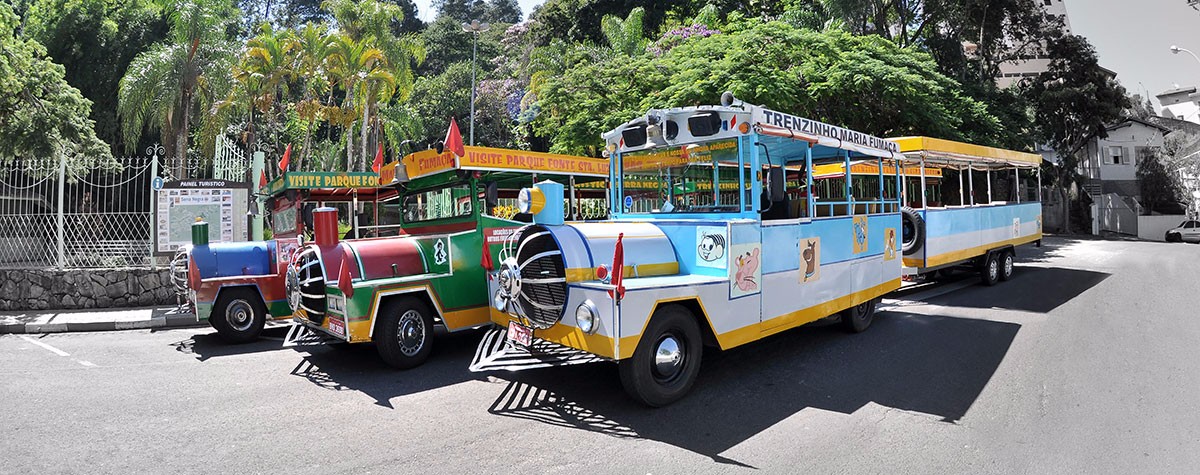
936, 365
205, 346
359, 368
1031, 289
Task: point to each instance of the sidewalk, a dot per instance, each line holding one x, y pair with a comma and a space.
93, 320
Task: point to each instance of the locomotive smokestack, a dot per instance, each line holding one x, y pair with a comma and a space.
325, 226
199, 233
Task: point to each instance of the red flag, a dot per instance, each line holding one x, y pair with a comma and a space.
287, 158
345, 282
378, 163
618, 268
262, 179
454, 141
485, 261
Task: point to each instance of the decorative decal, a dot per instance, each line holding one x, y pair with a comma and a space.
810, 259
1039, 223
439, 252
711, 247
860, 234
889, 244
745, 273
1016, 229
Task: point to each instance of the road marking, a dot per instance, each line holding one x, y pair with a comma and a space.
46, 346
87, 363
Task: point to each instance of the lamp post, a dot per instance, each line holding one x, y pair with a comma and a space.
1176, 50
474, 27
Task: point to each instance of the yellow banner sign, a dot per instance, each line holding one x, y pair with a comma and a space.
429, 162
676, 156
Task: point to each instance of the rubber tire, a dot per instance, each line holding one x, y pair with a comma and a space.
858, 318
985, 275
258, 318
1174, 237
388, 345
1007, 260
913, 218
636, 371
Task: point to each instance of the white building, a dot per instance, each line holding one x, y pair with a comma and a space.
1110, 164
1033, 65
1180, 103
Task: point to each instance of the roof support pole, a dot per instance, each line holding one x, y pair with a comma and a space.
924, 199
989, 180
971, 183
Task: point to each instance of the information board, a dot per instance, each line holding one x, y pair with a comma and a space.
220, 203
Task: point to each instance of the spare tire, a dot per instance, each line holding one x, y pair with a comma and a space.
913, 231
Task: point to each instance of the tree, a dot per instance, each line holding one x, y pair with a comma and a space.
1139, 108
350, 63
265, 69
502, 11
162, 85
1158, 185
822, 75
625, 36
1074, 100
41, 116
95, 40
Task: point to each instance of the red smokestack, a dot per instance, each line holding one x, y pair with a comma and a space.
325, 226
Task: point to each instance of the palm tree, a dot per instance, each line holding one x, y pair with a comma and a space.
265, 70
312, 44
625, 36
162, 85
351, 62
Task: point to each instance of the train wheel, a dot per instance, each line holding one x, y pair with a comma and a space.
404, 338
667, 359
858, 318
989, 273
238, 315
1006, 264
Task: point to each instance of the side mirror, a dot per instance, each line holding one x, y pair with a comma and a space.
775, 184
491, 194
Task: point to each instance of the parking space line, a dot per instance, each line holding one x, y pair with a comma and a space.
46, 346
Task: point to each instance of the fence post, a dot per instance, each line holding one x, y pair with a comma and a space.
62, 234
150, 206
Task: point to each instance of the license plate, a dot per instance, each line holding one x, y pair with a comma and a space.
337, 326
520, 334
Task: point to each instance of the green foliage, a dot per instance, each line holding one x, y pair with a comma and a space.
865, 83
41, 116
625, 35
95, 40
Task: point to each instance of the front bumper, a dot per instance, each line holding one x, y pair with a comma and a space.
495, 352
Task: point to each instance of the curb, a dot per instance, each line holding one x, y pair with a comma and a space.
169, 321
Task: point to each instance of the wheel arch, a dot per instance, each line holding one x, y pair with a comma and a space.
231, 288
421, 293
695, 307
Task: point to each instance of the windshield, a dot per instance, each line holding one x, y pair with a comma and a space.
698, 178
447, 202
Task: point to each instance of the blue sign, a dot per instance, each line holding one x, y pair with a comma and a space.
157, 183
628, 202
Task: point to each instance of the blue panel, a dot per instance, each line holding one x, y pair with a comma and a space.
683, 239
229, 259
947, 222
781, 248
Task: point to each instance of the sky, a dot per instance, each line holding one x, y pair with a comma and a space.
1132, 37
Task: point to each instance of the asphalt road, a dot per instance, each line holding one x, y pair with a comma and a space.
1084, 363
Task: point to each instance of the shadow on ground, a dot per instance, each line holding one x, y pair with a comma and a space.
929, 364
209, 345
1031, 289
359, 368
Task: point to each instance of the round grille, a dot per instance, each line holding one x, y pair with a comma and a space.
179, 271
543, 294
306, 285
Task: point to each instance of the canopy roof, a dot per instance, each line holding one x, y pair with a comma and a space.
960, 154
429, 162
869, 168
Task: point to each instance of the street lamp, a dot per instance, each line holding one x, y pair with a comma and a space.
1176, 50
474, 27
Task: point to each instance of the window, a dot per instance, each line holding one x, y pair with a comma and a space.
447, 202
1116, 155
700, 178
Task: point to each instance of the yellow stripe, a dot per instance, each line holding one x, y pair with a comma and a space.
584, 274
929, 144
603, 345
962, 255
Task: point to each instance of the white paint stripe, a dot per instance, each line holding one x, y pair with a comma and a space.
87, 363
48, 347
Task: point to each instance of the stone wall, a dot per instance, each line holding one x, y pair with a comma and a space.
84, 288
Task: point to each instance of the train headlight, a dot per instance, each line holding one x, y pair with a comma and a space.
586, 315
530, 200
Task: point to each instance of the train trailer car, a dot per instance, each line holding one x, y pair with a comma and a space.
735, 245
393, 291
968, 206
239, 286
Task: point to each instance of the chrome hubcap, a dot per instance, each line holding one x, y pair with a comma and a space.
1008, 265
411, 333
993, 269
668, 358
240, 315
